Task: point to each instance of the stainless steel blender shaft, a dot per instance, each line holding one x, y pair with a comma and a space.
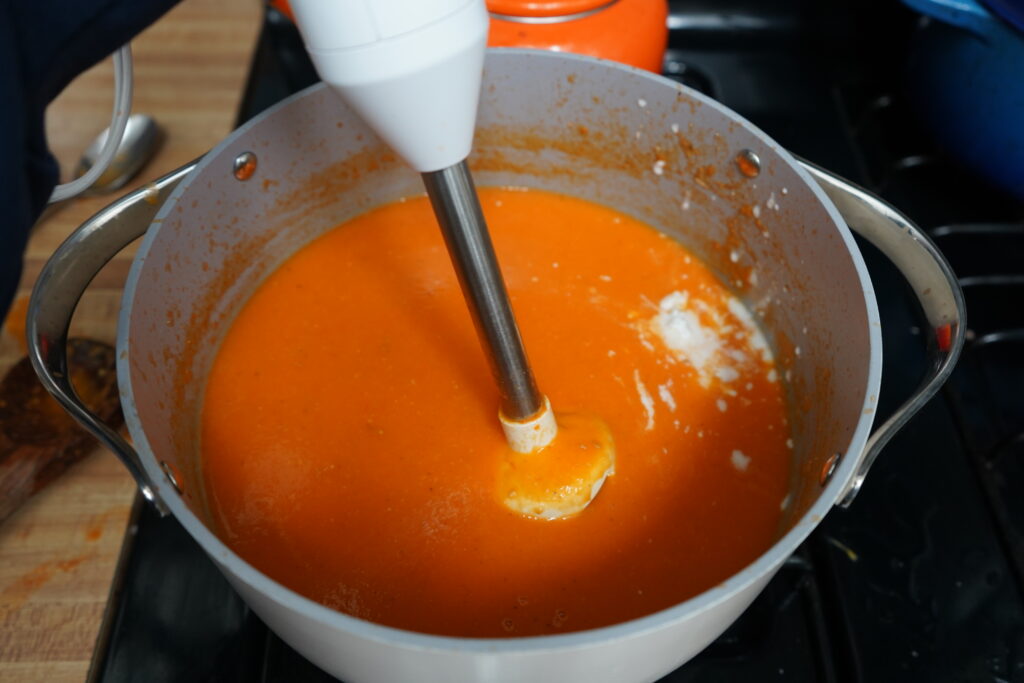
457, 208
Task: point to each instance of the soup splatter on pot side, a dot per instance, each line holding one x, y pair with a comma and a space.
350, 440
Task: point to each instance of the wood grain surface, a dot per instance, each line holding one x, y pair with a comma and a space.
59, 550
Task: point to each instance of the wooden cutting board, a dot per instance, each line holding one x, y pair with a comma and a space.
58, 551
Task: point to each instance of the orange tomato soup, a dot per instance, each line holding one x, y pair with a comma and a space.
350, 432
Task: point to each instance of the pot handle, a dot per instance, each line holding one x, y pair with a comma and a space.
933, 282
55, 296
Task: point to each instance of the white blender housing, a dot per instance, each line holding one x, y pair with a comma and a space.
410, 68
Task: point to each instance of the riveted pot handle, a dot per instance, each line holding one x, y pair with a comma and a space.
56, 294
933, 282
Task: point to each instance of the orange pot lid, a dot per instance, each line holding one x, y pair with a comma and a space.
544, 8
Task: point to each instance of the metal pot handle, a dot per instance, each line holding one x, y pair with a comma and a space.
75, 263
933, 282
60, 286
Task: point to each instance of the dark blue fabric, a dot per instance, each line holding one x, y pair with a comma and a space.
44, 44
1010, 10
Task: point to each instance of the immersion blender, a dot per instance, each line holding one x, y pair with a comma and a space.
412, 69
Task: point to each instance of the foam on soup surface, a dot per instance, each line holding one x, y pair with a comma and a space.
350, 440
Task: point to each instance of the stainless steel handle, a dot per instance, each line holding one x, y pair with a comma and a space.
58, 290
72, 267
933, 282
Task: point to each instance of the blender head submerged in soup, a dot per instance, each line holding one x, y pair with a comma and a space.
351, 450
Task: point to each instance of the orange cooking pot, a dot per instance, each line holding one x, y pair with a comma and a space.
633, 32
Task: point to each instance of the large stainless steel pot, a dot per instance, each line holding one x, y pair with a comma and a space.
597, 130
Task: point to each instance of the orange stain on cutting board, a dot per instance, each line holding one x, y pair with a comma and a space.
21, 590
97, 524
350, 428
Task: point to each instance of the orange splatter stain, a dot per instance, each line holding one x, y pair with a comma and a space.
97, 524
25, 586
69, 565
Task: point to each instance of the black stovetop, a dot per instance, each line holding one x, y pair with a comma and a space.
921, 580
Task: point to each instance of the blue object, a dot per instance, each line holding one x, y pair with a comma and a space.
966, 77
1010, 10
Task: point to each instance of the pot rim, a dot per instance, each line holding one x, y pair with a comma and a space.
763, 565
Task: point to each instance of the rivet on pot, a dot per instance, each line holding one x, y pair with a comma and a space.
749, 163
829, 468
171, 475
245, 165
